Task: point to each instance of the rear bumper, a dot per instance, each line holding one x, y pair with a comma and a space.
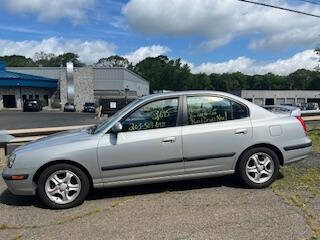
297, 152
24, 187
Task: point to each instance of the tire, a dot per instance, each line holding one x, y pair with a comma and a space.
249, 169
64, 193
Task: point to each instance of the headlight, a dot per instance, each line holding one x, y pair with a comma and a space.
11, 159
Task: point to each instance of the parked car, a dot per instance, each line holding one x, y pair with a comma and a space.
89, 107
33, 105
163, 137
312, 106
69, 107
288, 104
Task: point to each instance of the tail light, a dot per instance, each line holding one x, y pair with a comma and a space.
300, 119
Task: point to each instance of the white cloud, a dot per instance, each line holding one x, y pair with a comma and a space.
144, 52
306, 59
89, 51
220, 21
51, 9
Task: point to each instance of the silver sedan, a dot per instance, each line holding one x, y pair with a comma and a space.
164, 137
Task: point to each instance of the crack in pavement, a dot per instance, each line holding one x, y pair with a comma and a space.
5, 227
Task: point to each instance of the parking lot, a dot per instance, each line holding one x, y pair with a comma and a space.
25, 120
216, 208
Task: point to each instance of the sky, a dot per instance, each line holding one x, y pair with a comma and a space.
212, 36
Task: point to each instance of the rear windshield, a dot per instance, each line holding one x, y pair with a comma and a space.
89, 104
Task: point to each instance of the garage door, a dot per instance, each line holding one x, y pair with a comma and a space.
259, 101
9, 101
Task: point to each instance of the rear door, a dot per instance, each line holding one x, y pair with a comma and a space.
216, 131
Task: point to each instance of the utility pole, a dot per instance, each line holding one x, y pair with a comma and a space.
21, 100
126, 91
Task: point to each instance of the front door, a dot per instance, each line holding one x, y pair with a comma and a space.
216, 131
149, 146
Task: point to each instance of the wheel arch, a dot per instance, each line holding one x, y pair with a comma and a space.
36, 176
266, 145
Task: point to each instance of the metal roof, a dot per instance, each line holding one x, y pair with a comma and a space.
13, 79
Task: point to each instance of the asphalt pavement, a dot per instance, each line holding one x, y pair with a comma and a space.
215, 208
24, 120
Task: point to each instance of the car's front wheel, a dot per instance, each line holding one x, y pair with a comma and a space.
63, 186
259, 167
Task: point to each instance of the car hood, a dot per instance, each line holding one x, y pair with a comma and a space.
62, 138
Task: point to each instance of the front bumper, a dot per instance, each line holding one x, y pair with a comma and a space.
25, 186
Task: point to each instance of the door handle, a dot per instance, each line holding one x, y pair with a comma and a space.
241, 131
169, 140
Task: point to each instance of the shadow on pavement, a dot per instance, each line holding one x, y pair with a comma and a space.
177, 186
9, 199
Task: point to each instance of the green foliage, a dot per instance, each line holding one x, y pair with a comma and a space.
113, 61
165, 74
50, 60
42, 60
17, 61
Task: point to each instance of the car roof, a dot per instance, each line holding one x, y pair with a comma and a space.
257, 111
181, 93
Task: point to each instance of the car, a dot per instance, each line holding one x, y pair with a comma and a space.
288, 104
162, 137
69, 107
89, 107
33, 105
312, 106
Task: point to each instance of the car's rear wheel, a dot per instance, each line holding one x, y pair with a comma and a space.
259, 167
63, 186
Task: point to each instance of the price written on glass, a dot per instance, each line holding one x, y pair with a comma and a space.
158, 121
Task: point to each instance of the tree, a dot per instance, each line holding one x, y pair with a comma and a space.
43, 59
62, 60
165, 74
17, 61
113, 61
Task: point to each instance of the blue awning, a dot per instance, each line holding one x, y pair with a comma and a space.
13, 79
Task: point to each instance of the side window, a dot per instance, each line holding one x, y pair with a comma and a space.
208, 109
157, 114
239, 111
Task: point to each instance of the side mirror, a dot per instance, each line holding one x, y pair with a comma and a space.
117, 127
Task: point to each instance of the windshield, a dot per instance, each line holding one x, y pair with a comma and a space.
101, 126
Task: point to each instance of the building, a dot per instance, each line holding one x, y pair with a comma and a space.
277, 97
17, 87
89, 84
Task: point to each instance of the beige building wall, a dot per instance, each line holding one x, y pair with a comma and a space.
83, 87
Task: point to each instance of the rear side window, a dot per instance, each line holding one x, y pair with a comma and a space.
239, 111
157, 114
209, 109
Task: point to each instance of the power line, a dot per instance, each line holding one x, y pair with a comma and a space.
310, 1
281, 8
